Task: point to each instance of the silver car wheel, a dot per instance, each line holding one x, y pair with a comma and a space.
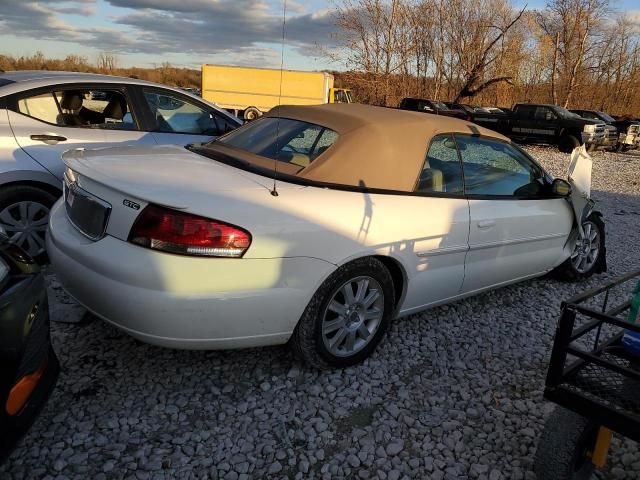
587, 249
352, 316
26, 225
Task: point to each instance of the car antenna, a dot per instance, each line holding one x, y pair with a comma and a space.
274, 192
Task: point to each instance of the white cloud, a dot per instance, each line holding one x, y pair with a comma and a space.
237, 29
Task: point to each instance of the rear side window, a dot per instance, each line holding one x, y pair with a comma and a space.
290, 141
43, 107
88, 108
526, 111
442, 171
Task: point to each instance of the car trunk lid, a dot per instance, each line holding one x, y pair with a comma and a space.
167, 175
121, 181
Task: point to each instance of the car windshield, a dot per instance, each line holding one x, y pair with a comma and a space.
564, 113
290, 141
440, 105
606, 117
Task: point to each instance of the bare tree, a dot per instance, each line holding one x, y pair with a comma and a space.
476, 81
488, 51
574, 25
107, 61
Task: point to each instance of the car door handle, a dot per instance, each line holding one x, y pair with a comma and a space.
48, 138
486, 223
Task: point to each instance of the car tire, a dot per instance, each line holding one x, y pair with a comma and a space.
564, 446
568, 143
323, 336
569, 270
251, 114
14, 199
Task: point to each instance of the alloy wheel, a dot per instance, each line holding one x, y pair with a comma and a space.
26, 225
352, 316
587, 249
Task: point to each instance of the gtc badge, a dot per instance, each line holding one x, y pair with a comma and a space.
130, 204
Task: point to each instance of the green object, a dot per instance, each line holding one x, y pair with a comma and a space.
634, 312
631, 339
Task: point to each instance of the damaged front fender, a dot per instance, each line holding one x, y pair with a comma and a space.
579, 177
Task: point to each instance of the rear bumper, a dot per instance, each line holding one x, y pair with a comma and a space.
183, 302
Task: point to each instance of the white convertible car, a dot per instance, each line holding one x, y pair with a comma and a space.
314, 225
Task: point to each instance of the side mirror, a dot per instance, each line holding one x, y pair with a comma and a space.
561, 187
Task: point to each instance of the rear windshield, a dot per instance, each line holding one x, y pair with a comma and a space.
290, 141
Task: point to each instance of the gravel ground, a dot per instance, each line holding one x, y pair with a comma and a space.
452, 393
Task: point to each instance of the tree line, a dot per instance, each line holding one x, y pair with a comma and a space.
107, 63
574, 53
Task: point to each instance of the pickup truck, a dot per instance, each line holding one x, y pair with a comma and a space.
627, 130
546, 124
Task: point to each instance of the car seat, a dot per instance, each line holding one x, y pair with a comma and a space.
300, 159
431, 179
71, 102
116, 108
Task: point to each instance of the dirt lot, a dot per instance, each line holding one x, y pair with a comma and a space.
452, 393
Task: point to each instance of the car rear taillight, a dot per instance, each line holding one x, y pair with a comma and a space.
183, 233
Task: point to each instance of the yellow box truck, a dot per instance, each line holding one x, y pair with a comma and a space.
249, 92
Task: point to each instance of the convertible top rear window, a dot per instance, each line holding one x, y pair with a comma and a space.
291, 141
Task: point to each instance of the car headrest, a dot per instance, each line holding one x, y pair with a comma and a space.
116, 108
300, 160
71, 100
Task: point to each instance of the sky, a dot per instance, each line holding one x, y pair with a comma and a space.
185, 33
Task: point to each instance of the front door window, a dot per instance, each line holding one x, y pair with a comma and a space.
496, 168
173, 113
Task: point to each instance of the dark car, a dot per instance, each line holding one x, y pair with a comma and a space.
432, 106
468, 109
28, 365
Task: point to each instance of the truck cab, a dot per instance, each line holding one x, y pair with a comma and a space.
340, 95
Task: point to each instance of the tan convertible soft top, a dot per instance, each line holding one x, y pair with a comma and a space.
377, 147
